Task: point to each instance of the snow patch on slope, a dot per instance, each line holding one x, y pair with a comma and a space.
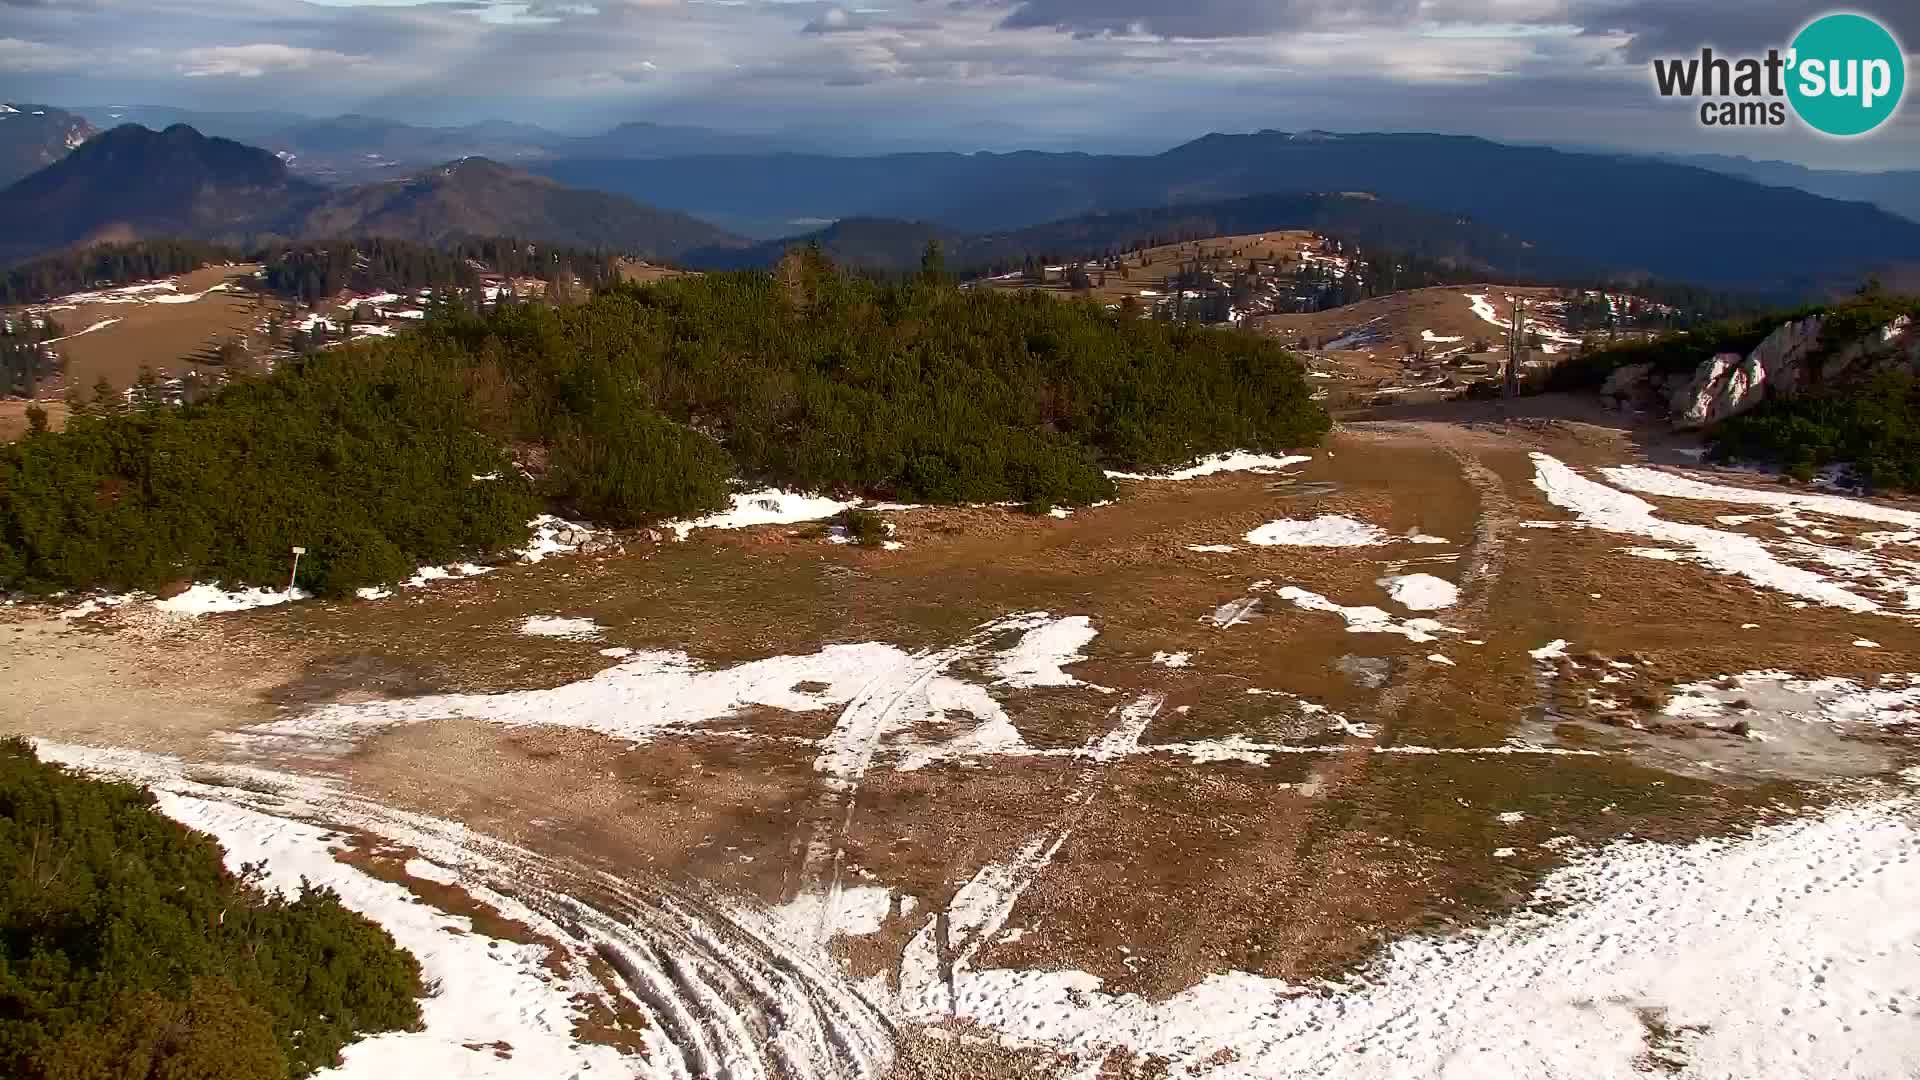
1601, 507
1036, 659
1232, 461
556, 626
1421, 592
1327, 530
1789, 982
767, 507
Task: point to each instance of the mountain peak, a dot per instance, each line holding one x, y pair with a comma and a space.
475, 169
134, 181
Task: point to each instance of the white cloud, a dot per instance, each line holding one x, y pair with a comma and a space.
19, 55
253, 61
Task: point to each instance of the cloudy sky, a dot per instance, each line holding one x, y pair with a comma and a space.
969, 74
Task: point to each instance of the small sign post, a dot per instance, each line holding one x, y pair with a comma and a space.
297, 552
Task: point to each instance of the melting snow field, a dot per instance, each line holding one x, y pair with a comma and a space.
152, 292
924, 716
708, 986
1734, 957
1634, 940
1601, 507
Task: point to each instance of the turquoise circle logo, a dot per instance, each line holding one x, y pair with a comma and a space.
1847, 74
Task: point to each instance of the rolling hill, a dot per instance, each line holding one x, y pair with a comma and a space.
1591, 212
477, 197
895, 246
33, 137
133, 183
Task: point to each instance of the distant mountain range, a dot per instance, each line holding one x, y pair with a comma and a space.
1536, 210
355, 148
33, 137
133, 183
1896, 191
1627, 217
893, 245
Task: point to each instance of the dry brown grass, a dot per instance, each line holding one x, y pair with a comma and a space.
13, 417
1296, 868
1163, 261
165, 338
642, 273
1398, 318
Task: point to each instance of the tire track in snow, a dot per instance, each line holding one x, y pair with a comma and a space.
947, 943
723, 997
848, 751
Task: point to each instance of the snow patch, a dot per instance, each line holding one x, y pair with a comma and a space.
1602, 507
212, 599
1365, 619
855, 911
767, 507
1674, 485
555, 626
1327, 530
1630, 935
553, 536
1036, 659
1483, 308
427, 575
1232, 461
1421, 592
101, 325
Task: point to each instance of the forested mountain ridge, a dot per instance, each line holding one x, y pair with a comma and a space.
896, 246
1607, 213
133, 183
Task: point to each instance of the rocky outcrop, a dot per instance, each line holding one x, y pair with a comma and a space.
1897, 338
1629, 388
1730, 384
1792, 359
